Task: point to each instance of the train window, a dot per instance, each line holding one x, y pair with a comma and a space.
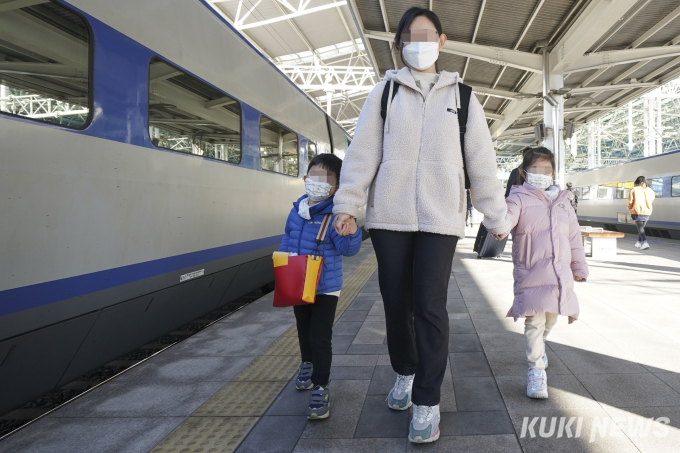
657, 186
311, 151
278, 148
190, 116
604, 191
623, 189
45, 63
675, 186
585, 193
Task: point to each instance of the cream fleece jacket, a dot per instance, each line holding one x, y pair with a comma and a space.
414, 166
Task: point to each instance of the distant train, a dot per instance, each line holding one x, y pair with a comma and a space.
149, 158
603, 195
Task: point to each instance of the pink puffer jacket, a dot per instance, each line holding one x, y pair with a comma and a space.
547, 253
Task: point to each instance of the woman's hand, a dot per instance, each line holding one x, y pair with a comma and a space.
499, 237
579, 279
342, 224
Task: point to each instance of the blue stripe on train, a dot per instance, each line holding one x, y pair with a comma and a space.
652, 223
25, 297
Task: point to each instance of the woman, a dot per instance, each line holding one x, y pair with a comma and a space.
416, 207
640, 201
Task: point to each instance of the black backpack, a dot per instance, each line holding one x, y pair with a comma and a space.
465, 94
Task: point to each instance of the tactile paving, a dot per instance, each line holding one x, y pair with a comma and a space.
221, 423
241, 399
353, 284
207, 435
269, 368
291, 332
284, 346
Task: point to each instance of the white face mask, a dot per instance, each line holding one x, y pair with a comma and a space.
317, 191
421, 55
539, 181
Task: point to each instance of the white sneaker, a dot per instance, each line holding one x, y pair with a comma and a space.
644, 246
537, 384
638, 244
424, 426
400, 396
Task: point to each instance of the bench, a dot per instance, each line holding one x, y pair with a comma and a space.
602, 242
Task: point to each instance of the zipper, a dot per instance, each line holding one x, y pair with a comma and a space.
552, 240
302, 230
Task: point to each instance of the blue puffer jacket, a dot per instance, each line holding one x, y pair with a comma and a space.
300, 237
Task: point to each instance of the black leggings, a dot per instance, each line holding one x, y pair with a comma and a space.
641, 221
414, 269
315, 333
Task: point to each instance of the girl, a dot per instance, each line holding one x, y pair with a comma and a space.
548, 256
640, 201
413, 164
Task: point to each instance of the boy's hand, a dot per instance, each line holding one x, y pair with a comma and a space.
353, 226
342, 224
579, 279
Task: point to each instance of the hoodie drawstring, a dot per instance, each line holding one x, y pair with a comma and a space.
458, 82
389, 103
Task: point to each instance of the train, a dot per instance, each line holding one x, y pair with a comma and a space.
603, 195
149, 158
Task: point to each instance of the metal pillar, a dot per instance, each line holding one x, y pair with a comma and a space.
598, 143
553, 116
659, 126
631, 145
591, 145
3, 95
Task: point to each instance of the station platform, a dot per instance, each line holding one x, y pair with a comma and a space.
229, 388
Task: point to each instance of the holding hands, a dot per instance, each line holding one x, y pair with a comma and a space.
579, 279
345, 225
499, 237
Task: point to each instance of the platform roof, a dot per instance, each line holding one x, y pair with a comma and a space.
610, 51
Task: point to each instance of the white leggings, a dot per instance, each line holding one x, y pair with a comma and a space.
536, 329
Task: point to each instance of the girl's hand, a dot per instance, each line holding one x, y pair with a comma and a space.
579, 279
499, 237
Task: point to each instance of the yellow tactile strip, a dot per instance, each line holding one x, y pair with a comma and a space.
241, 399
221, 423
284, 345
269, 368
207, 434
354, 282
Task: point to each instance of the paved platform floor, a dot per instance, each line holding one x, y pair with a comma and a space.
610, 373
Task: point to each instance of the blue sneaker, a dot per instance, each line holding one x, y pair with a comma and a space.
424, 426
304, 377
319, 403
399, 398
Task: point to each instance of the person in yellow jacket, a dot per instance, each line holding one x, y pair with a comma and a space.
640, 201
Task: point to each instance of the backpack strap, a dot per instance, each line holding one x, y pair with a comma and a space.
321, 235
385, 98
465, 95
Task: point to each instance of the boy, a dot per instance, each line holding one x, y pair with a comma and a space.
315, 321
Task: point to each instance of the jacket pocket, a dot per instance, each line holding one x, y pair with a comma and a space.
527, 256
371, 189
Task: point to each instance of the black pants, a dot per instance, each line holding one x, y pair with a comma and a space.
414, 271
315, 332
641, 221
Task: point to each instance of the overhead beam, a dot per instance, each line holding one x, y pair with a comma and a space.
596, 19
611, 87
351, 4
496, 55
219, 102
658, 26
474, 34
516, 108
291, 15
386, 21
604, 60
484, 91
